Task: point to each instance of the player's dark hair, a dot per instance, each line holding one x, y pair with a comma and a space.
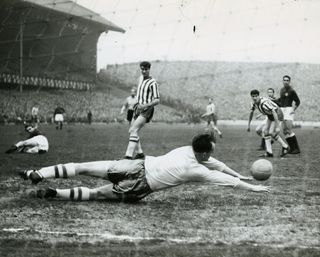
254, 92
286, 76
145, 64
202, 143
270, 88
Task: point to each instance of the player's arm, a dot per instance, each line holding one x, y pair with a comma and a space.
204, 115
296, 100
250, 119
214, 164
233, 173
254, 188
229, 180
124, 107
154, 102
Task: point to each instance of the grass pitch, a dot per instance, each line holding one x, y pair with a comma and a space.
189, 220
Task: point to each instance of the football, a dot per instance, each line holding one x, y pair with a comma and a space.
261, 169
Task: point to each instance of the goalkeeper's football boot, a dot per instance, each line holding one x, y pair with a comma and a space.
46, 193
33, 175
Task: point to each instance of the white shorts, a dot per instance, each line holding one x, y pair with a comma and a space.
34, 144
272, 127
261, 126
288, 113
58, 117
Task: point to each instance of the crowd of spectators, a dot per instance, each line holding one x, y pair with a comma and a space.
229, 84
104, 107
184, 87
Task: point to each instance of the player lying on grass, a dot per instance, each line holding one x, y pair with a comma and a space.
36, 143
132, 180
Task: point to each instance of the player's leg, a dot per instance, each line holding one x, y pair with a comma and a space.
277, 137
134, 140
291, 137
32, 150
267, 138
23, 146
214, 126
79, 193
260, 133
94, 169
287, 130
128, 176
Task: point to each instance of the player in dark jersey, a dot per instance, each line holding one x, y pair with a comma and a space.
147, 97
289, 102
58, 116
272, 128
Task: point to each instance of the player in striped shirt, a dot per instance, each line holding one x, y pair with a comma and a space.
147, 96
261, 126
272, 129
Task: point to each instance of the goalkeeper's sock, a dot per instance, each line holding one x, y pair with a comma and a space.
58, 171
76, 194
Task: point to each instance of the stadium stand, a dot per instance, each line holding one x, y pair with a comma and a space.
52, 43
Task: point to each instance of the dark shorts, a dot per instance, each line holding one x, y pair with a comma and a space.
129, 180
146, 113
130, 115
212, 117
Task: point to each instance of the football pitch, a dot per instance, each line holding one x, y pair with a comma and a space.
189, 220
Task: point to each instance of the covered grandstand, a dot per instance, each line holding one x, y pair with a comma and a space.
49, 43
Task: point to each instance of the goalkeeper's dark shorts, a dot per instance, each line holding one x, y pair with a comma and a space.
129, 180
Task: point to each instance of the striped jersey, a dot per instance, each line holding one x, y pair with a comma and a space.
147, 90
265, 106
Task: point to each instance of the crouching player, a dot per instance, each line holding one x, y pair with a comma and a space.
36, 143
272, 128
132, 180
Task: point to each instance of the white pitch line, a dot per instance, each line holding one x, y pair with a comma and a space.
127, 238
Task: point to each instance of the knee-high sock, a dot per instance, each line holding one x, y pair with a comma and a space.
133, 141
267, 140
139, 148
293, 142
216, 129
281, 141
290, 139
58, 171
77, 193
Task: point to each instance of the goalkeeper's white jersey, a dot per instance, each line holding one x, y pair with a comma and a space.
180, 166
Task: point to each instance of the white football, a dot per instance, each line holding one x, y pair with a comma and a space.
261, 169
